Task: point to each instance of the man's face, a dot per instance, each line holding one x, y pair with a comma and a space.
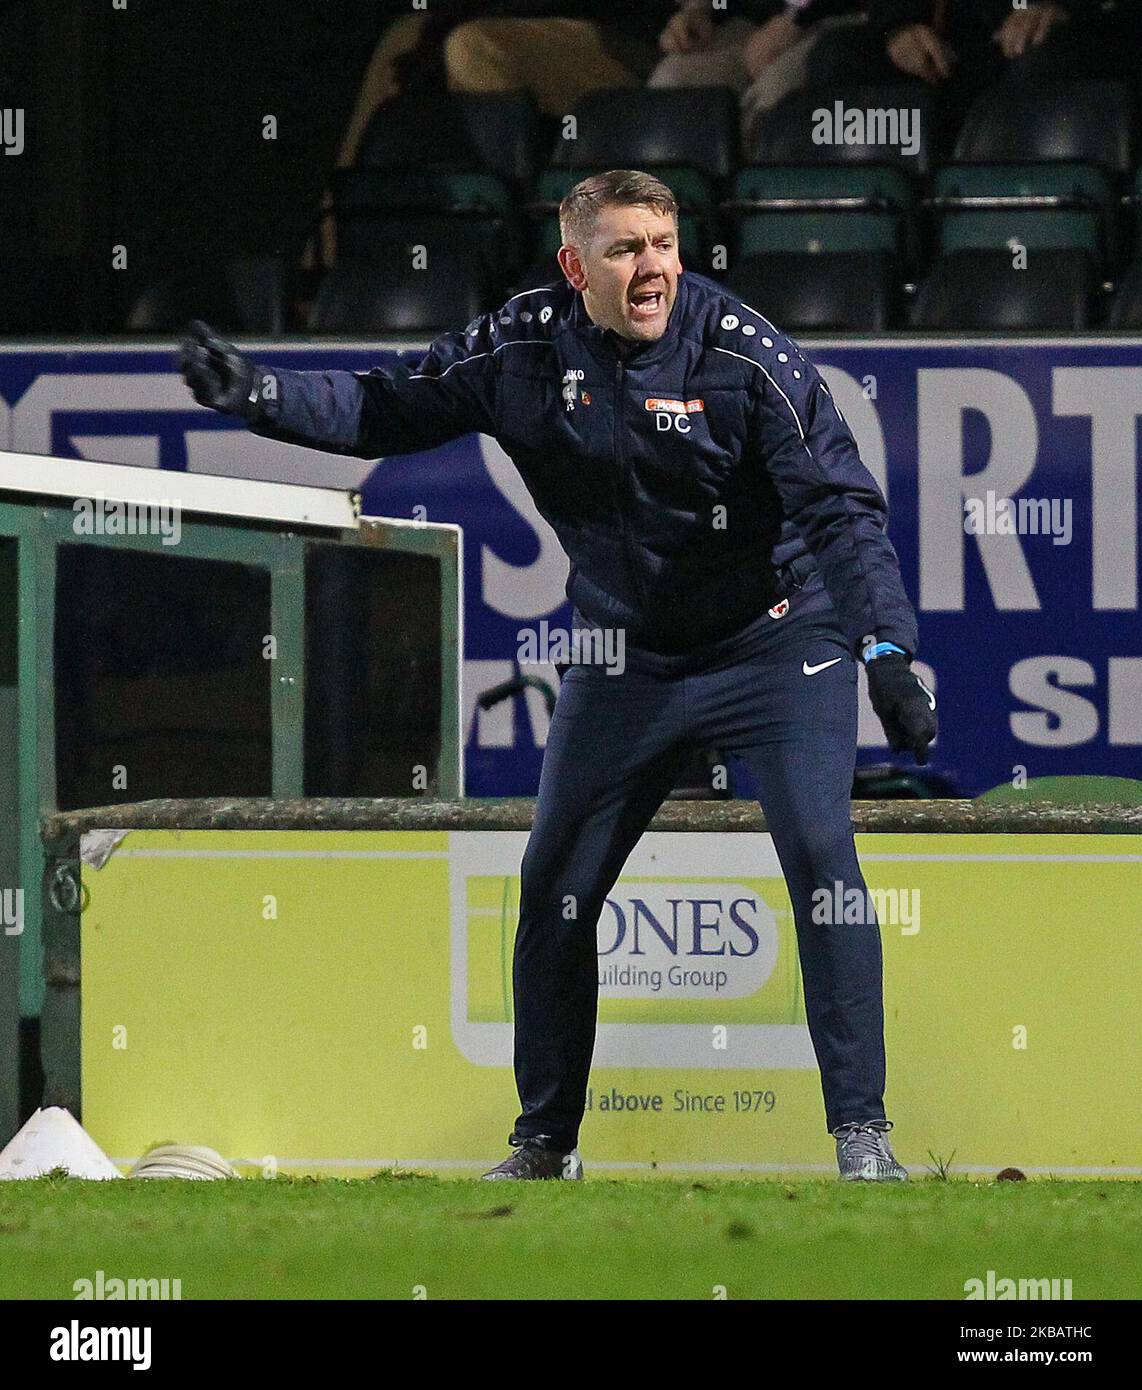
628, 271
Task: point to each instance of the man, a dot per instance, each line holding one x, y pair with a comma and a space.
717, 517
761, 48
960, 48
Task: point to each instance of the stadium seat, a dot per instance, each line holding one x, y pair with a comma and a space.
501, 132
787, 132
979, 290
428, 189
248, 298
645, 127
814, 232
1050, 120
853, 291
40, 294
472, 211
821, 207
1038, 205
508, 132
409, 133
1126, 311
258, 284
489, 242
385, 297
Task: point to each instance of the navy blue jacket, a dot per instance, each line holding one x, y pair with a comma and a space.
692, 481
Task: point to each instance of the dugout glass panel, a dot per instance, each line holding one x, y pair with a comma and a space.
373, 672
162, 685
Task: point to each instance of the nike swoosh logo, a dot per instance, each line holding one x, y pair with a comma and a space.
807, 670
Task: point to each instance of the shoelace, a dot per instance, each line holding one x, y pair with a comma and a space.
865, 1141
532, 1149
542, 1142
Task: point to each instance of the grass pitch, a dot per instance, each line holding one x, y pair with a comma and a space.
392, 1235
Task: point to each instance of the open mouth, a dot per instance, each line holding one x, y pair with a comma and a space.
645, 303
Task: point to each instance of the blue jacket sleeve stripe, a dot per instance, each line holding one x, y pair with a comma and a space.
780, 392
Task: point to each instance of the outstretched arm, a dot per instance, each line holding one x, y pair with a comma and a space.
451, 392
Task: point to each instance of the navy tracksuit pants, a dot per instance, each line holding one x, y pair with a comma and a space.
614, 748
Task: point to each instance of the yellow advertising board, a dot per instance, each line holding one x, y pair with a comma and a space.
338, 1002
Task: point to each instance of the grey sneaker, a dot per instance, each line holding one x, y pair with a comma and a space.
865, 1155
531, 1161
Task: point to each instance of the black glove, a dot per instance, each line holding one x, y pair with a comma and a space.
221, 377
903, 704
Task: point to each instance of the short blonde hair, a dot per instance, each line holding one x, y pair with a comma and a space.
579, 211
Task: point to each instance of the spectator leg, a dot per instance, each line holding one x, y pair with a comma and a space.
788, 73
719, 64
557, 60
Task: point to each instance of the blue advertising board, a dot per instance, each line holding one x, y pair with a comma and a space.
1010, 466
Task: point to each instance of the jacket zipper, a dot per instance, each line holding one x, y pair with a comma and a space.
624, 476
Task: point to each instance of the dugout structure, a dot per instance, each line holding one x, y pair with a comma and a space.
252, 639
366, 1021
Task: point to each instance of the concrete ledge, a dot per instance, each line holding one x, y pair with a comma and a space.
950, 817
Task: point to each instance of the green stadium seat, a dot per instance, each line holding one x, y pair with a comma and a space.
654, 127
499, 131
974, 290
1040, 206
1049, 121
430, 189
815, 232
845, 291
472, 212
787, 135
380, 296
880, 188
821, 207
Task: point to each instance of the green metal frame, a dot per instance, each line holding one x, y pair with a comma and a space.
39, 526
